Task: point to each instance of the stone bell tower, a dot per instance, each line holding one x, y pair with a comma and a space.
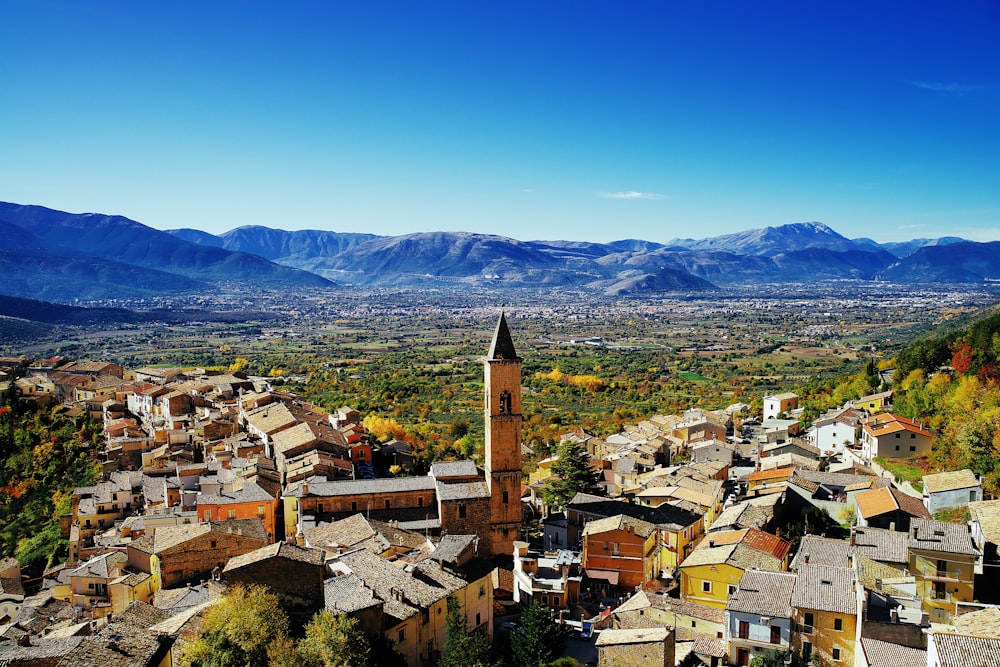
502, 411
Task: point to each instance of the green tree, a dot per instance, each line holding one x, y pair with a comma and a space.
540, 639
463, 648
238, 630
334, 641
571, 474
769, 659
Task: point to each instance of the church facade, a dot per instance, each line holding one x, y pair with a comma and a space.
455, 498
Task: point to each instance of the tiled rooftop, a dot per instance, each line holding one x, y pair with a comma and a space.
764, 593
941, 536
825, 589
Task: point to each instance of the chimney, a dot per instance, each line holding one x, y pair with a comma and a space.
805, 558
854, 536
305, 489
914, 531
892, 525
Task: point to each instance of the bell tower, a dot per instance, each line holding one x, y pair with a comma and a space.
502, 412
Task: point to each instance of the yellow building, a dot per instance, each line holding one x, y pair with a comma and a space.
678, 541
825, 610
942, 557
712, 573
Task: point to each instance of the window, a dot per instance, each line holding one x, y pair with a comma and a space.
807, 650
207, 516
614, 548
231, 514
213, 544
913, 448
482, 592
897, 448
461, 511
478, 619
731, 590
808, 622
775, 634
506, 498
545, 600
972, 496
838, 624
556, 602
913, 436
354, 507
706, 587
744, 631
420, 501
836, 654
401, 635
260, 511
425, 615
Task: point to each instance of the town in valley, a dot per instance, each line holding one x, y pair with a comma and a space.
741, 534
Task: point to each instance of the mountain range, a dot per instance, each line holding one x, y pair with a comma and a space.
64, 257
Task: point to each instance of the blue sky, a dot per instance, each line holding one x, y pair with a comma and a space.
537, 120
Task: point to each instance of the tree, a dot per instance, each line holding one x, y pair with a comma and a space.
571, 474
238, 630
769, 659
334, 641
463, 648
540, 639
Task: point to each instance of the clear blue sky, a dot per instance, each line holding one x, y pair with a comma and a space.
538, 120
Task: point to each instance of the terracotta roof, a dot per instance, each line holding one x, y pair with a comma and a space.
825, 589
950, 481
966, 650
983, 623
874, 502
885, 654
889, 423
778, 473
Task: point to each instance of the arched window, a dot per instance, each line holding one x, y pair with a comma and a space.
505, 406
506, 497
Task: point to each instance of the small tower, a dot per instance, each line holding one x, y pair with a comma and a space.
502, 412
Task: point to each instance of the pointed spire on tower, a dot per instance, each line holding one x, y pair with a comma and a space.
502, 346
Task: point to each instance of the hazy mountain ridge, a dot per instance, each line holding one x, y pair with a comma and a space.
63, 256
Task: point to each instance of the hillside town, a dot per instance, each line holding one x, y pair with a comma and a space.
711, 537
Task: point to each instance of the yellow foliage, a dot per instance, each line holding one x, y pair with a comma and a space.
42, 454
915, 380
225, 347
239, 364
588, 382
275, 372
383, 428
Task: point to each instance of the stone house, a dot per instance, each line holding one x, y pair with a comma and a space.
891, 436
778, 404
184, 553
635, 648
296, 574
946, 490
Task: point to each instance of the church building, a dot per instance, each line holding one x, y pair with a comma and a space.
455, 498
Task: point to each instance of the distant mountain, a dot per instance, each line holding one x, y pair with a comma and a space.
962, 262
664, 280
61, 256
45, 312
278, 245
771, 241
907, 248
102, 249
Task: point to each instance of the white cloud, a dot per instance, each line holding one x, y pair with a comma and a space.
951, 88
631, 195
